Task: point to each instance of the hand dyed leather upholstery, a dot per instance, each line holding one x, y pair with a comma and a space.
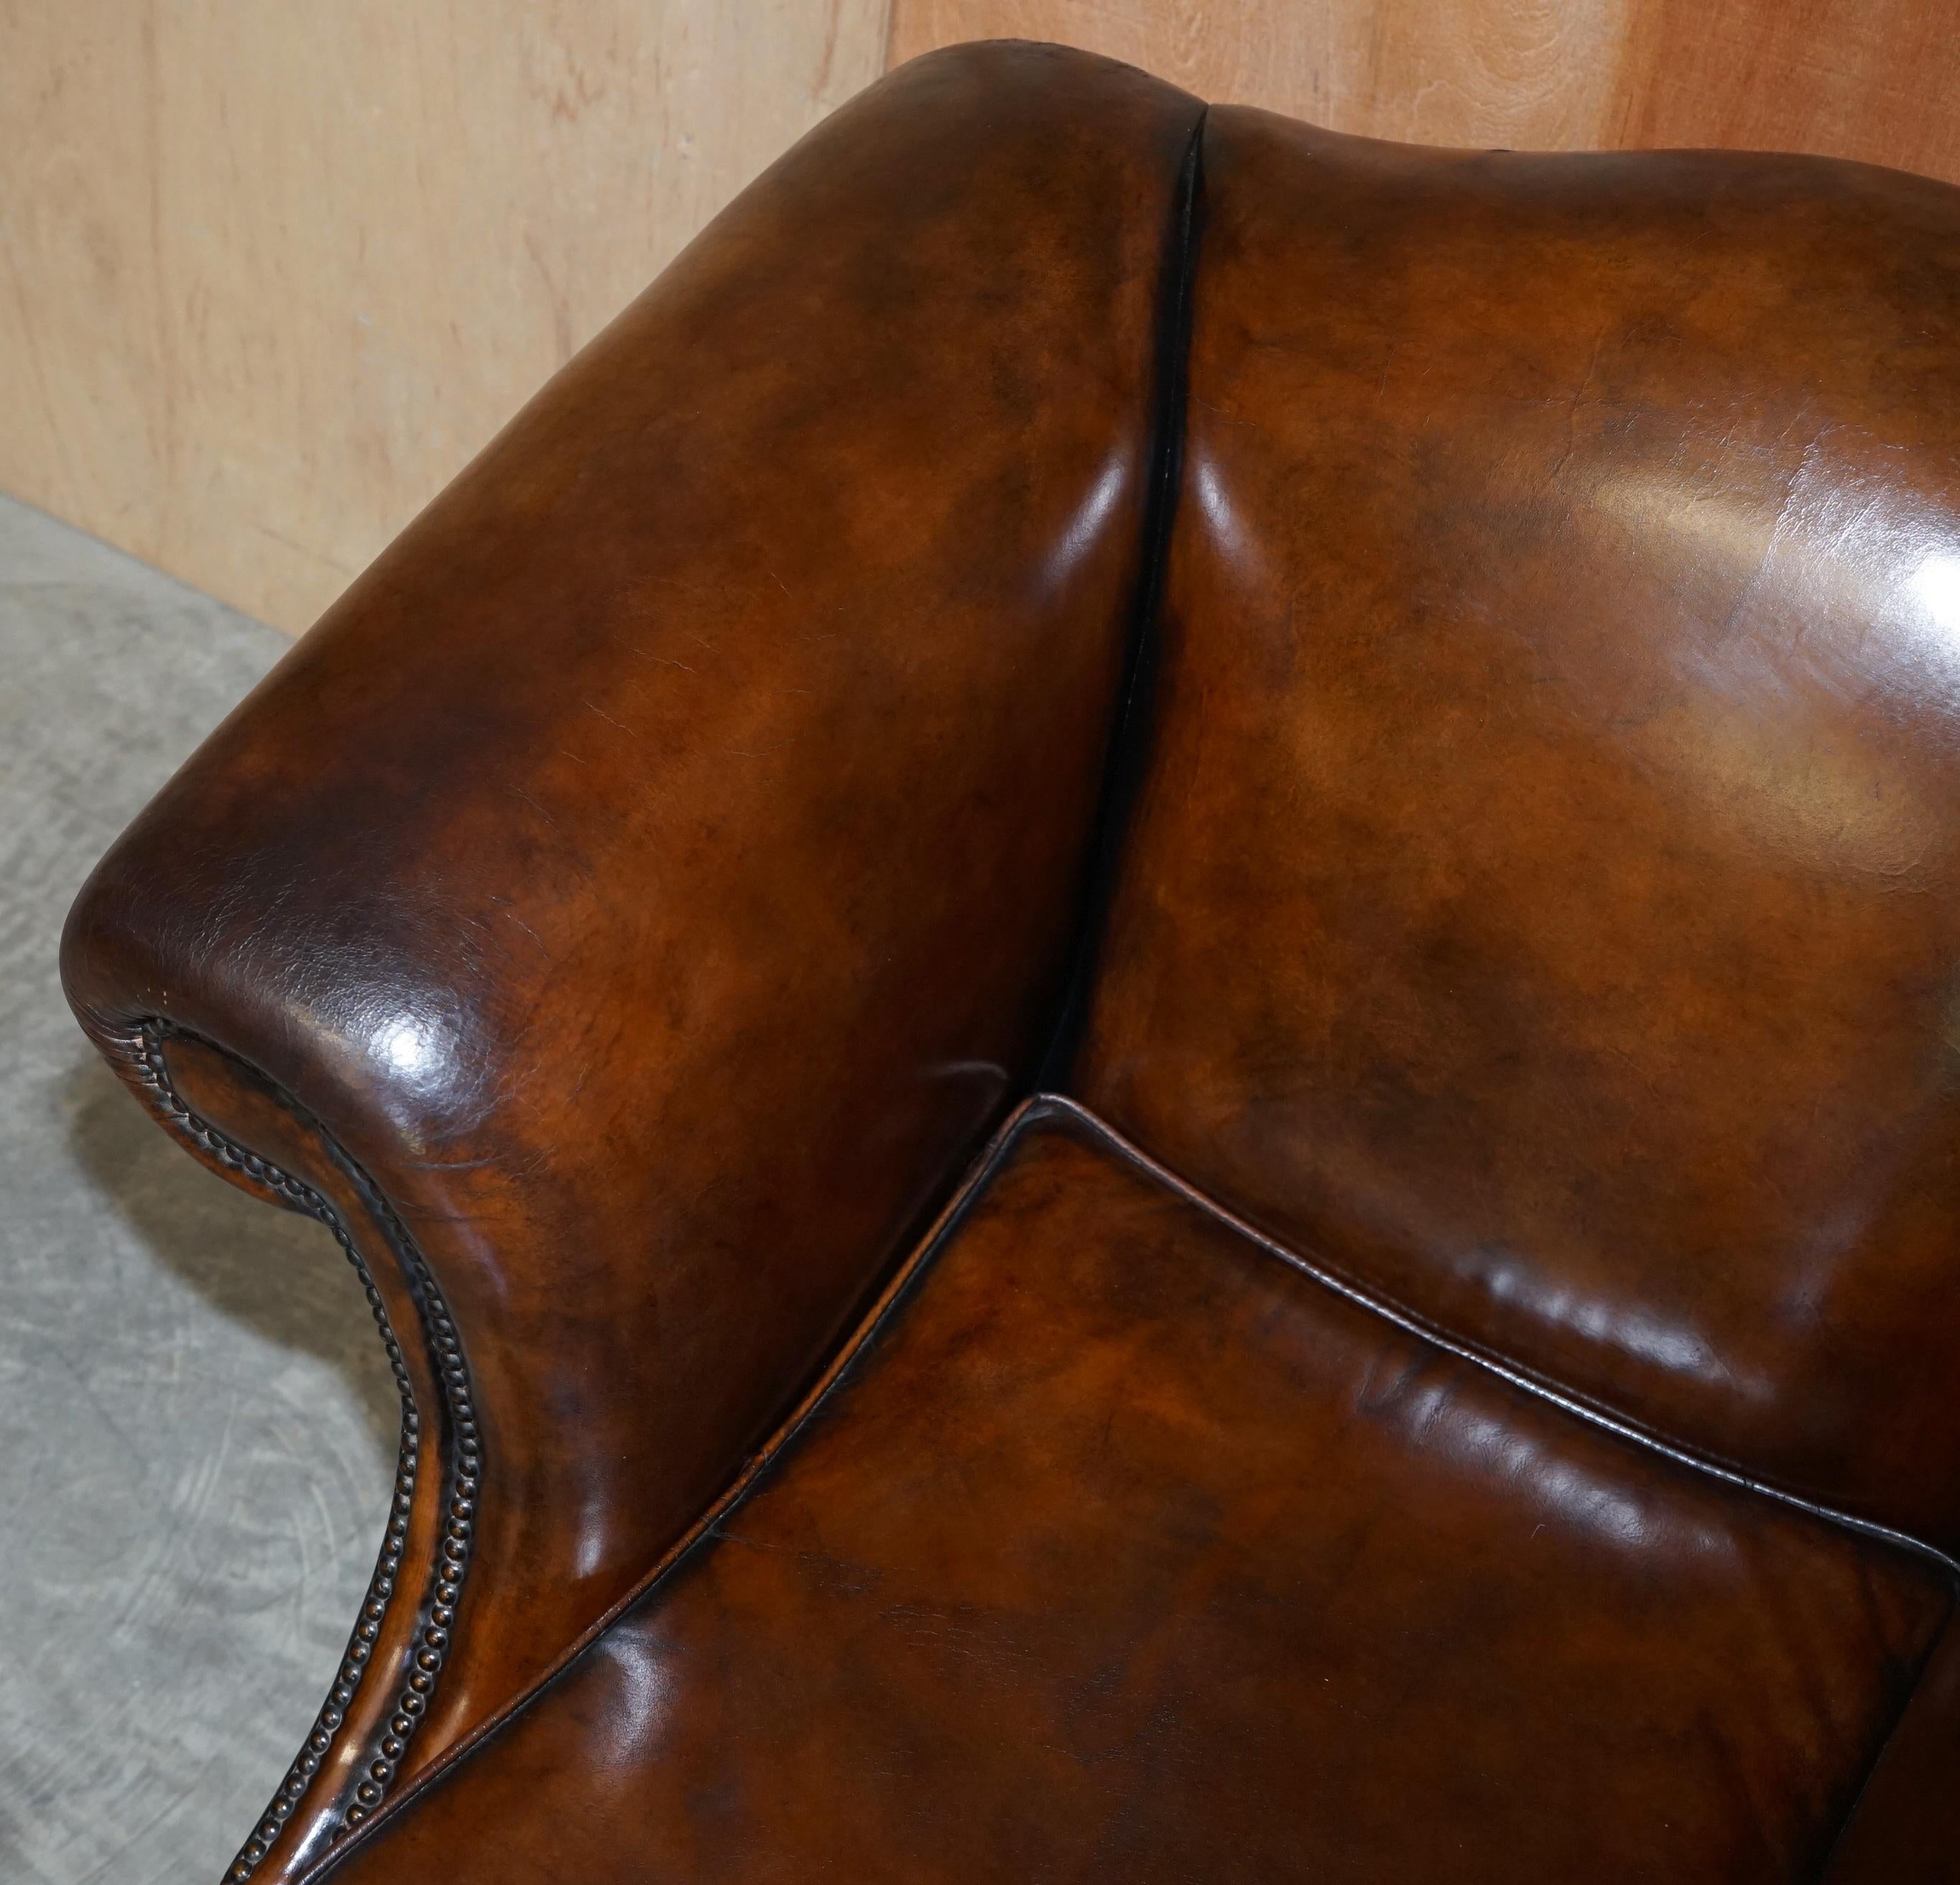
1421, 691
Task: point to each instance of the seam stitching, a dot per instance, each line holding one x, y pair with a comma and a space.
1392, 1312
141, 1051
1578, 1406
910, 1276
896, 1290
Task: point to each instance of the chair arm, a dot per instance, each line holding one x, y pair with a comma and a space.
624, 915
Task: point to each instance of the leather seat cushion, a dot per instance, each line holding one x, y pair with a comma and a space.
1123, 1547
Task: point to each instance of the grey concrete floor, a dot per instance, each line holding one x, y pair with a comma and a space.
197, 1427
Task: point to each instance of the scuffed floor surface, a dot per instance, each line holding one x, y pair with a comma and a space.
197, 1427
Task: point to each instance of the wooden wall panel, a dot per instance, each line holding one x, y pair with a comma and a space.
1872, 79
272, 270
1520, 72
1878, 80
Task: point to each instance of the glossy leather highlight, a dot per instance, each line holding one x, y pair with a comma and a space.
1545, 892
1124, 1550
1420, 685
660, 872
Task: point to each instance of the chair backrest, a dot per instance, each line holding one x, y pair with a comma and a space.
1540, 901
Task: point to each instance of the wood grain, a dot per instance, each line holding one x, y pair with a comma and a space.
1871, 79
1520, 72
270, 273
1877, 80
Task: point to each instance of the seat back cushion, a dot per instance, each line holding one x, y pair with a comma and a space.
1540, 896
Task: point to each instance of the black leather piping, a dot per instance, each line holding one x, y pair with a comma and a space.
896, 1290
1125, 767
138, 1052
1409, 1321
905, 1282
1578, 1408
1129, 741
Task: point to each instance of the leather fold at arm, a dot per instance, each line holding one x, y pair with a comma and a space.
626, 913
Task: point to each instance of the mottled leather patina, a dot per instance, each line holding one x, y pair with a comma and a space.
1134, 970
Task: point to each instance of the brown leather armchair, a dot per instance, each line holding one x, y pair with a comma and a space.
1133, 974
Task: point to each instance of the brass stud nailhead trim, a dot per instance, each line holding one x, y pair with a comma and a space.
142, 1052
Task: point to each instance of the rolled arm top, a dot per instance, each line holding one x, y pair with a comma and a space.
624, 913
